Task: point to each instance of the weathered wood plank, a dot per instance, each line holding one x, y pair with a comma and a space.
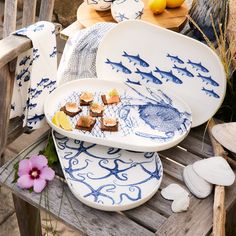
30, 224
172, 169
197, 147
147, 217
46, 10
9, 24
11, 47
6, 88
29, 11
179, 155
73, 212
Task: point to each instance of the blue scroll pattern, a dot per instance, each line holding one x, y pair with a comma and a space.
108, 176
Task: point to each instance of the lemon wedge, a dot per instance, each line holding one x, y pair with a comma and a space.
55, 118
174, 3
64, 121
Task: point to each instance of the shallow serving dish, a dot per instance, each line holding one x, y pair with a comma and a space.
106, 178
141, 53
149, 120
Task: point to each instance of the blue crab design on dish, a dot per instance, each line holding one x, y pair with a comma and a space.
158, 113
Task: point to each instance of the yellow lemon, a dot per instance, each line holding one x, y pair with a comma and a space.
64, 121
55, 119
157, 6
174, 3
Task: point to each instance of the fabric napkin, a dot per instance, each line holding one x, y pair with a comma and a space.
79, 56
35, 76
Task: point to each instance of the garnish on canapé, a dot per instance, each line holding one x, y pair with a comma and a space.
86, 98
71, 109
85, 123
111, 98
109, 124
96, 110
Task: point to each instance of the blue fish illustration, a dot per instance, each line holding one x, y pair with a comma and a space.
24, 60
138, 14
198, 66
133, 82
49, 85
169, 76
20, 84
136, 59
210, 93
54, 52
175, 59
30, 90
37, 93
118, 66
207, 80
32, 105
27, 77
13, 106
148, 76
43, 81
35, 119
183, 71
19, 76
35, 50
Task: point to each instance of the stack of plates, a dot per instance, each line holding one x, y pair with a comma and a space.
167, 83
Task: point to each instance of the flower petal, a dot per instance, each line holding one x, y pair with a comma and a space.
38, 162
25, 182
24, 167
39, 185
47, 173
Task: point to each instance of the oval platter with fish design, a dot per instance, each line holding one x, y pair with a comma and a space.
106, 178
148, 119
144, 54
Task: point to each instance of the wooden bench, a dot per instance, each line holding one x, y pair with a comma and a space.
154, 217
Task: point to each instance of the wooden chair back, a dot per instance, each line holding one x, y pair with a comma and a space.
11, 47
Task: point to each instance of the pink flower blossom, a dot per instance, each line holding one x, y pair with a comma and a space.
34, 172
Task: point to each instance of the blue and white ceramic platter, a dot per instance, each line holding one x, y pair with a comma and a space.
144, 54
106, 178
149, 120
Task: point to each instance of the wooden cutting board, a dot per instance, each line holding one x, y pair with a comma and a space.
173, 19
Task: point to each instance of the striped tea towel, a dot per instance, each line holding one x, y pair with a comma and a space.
35, 76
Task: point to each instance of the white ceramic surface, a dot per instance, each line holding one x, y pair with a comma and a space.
99, 5
180, 204
106, 178
127, 10
173, 191
196, 185
148, 119
215, 170
145, 54
225, 134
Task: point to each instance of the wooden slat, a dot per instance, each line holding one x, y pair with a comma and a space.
30, 224
83, 218
181, 156
46, 10
6, 88
9, 24
197, 147
29, 11
146, 217
172, 169
11, 47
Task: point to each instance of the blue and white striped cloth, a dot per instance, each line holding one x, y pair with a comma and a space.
35, 74
79, 56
